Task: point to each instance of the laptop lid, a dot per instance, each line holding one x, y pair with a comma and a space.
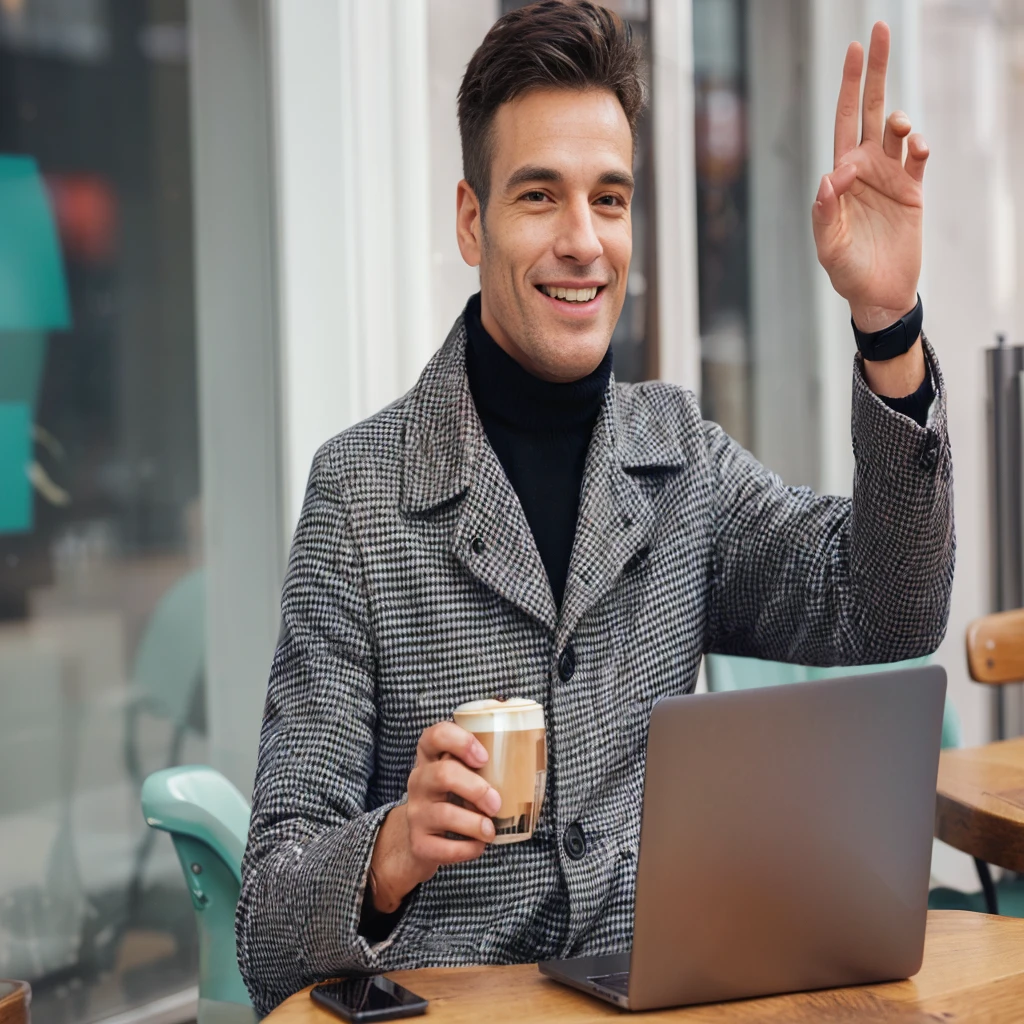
786, 838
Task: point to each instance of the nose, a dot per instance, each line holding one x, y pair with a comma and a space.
577, 240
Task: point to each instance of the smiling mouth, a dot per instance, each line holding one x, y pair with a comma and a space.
571, 294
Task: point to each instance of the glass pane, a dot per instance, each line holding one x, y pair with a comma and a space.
722, 216
634, 342
101, 585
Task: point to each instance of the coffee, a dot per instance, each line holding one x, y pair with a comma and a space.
512, 732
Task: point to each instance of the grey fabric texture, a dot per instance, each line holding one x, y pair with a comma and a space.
414, 585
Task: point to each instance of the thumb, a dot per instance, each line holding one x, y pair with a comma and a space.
825, 211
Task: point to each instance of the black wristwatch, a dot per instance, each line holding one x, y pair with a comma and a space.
893, 340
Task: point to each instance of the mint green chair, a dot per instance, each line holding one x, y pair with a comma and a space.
208, 820
728, 672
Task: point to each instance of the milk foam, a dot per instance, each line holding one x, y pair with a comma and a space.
513, 715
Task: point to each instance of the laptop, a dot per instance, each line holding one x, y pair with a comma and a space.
785, 842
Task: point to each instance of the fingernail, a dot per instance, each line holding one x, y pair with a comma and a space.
478, 751
492, 801
487, 828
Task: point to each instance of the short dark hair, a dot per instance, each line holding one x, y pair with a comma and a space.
571, 44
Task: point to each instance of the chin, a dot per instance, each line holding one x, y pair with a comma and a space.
575, 361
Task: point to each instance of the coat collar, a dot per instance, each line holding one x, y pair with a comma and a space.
446, 456
443, 434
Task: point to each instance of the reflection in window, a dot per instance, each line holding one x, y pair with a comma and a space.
722, 217
101, 584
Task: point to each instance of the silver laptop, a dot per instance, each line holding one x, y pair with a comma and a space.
785, 842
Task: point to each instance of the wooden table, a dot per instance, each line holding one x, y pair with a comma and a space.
980, 804
973, 970
15, 997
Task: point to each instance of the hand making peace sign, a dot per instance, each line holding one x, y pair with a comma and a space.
868, 212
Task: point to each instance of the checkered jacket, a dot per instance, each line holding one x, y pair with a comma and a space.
414, 585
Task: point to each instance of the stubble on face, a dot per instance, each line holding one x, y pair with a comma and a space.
558, 215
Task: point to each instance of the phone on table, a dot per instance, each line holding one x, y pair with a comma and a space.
368, 999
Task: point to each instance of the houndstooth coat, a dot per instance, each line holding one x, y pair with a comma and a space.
414, 584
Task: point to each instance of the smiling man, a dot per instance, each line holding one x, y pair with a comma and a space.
520, 523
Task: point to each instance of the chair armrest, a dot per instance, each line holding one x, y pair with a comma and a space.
198, 802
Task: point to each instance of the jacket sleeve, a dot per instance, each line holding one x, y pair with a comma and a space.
311, 835
837, 581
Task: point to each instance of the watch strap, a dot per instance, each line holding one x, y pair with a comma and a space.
893, 340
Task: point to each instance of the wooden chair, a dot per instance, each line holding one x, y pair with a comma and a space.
15, 997
995, 656
995, 648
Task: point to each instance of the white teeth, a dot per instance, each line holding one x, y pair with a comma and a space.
570, 294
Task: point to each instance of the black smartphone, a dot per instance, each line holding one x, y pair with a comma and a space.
368, 999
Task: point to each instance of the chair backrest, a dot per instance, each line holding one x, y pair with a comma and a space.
15, 997
995, 647
208, 820
728, 672
172, 653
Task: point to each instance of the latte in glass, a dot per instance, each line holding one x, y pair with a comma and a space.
512, 732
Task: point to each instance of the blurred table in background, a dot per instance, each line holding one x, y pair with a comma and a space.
973, 970
980, 802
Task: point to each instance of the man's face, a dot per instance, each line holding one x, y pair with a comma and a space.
557, 221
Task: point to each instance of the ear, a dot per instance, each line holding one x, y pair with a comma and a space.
469, 226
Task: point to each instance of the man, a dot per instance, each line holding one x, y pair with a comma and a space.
518, 523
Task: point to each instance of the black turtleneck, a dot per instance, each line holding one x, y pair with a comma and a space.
540, 432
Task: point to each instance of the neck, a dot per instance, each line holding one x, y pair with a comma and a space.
503, 387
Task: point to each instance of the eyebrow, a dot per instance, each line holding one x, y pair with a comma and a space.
525, 175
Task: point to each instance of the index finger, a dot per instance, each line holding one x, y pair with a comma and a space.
873, 119
449, 738
848, 106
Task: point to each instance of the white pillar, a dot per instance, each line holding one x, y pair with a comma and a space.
349, 92
456, 29
675, 191
238, 392
783, 267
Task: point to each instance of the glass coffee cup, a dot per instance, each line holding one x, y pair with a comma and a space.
513, 734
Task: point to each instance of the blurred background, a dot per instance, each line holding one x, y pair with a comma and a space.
227, 233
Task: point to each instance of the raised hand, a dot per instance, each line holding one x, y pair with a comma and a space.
867, 215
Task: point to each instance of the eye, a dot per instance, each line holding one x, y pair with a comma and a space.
610, 200
534, 196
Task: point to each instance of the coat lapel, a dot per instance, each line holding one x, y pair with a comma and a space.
447, 458
616, 519
493, 540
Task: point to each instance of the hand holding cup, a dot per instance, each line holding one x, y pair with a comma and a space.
413, 841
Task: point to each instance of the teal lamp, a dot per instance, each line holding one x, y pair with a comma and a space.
33, 301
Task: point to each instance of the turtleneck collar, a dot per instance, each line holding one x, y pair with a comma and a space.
503, 389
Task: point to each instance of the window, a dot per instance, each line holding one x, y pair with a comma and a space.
101, 577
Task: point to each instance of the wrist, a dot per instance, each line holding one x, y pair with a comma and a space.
870, 319
393, 873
